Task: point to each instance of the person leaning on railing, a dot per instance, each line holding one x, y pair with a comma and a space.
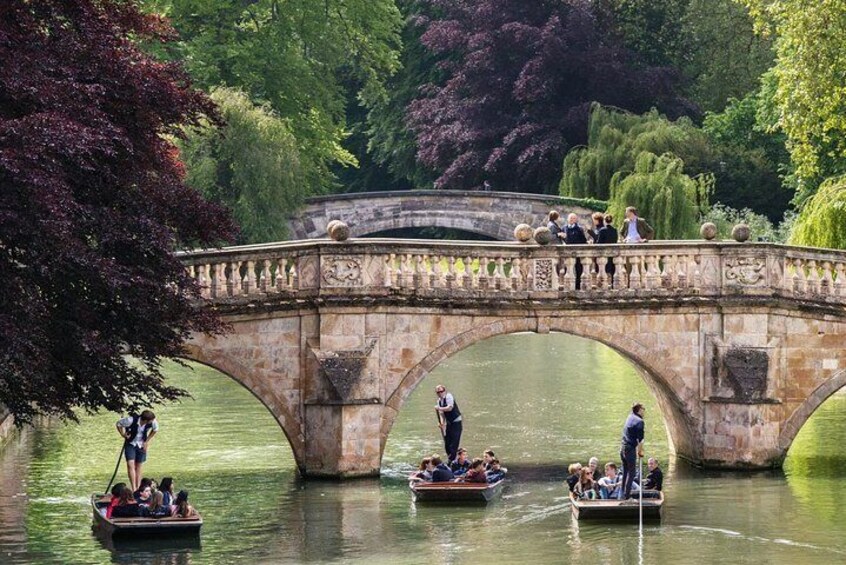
635, 229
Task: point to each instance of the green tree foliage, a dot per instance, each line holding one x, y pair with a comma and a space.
811, 82
391, 143
615, 141
712, 42
252, 165
751, 163
300, 56
670, 200
723, 56
822, 221
726, 217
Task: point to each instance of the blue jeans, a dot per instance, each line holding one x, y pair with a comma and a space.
629, 456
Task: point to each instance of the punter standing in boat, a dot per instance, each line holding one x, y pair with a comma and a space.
137, 430
450, 422
632, 448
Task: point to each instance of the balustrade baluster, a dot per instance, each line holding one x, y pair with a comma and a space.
281, 275
570, 273
294, 276
840, 279
827, 279
499, 273
516, 275
681, 272
653, 277
218, 283
813, 280
389, 270
467, 277
696, 279
436, 278
666, 272
451, 275
799, 280
264, 276
482, 279
419, 271
203, 280
601, 275
619, 280
250, 279
634, 275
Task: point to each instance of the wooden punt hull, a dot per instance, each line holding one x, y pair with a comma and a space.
161, 527
616, 510
456, 493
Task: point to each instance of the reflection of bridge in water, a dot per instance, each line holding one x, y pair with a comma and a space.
490, 214
740, 343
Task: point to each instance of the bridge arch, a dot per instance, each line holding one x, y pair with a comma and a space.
288, 423
795, 421
491, 214
674, 396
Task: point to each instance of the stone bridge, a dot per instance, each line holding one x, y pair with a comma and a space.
491, 214
740, 343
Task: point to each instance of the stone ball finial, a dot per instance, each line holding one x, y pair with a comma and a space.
330, 224
338, 230
741, 232
523, 233
543, 235
708, 231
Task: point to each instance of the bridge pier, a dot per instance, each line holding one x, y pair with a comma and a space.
739, 343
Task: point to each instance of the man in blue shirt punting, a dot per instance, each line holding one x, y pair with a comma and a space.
632, 447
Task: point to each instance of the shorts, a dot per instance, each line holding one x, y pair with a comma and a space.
134, 453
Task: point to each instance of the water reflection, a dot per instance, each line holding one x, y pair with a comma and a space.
539, 401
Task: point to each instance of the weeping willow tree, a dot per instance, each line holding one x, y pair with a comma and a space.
615, 141
822, 221
252, 165
671, 201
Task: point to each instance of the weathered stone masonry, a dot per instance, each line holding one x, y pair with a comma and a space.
739, 343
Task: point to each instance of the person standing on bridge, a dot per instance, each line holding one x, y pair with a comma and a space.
574, 234
449, 417
137, 430
554, 228
632, 447
635, 229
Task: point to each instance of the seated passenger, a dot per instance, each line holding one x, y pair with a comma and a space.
116, 490
655, 477
126, 506
584, 488
182, 508
167, 489
424, 472
476, 473
440, 473
573, 472
594, 468
497, 472
487, 457
461, 464
145, 484
157, 507
144, 495
609, 485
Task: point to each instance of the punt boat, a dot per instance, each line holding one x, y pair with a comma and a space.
141, 526
456, 493
618, 510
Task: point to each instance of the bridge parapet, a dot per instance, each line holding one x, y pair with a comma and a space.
479, 270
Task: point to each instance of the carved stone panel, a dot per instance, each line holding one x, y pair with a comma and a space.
745, 271
740, 374
345, 372
341, 271
544, 273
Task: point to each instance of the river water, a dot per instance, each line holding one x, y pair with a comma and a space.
540, 401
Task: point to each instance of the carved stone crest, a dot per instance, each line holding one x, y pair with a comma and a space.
341, 271
745, 271
344, 370
544, 271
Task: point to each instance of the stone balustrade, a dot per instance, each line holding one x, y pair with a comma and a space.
500, 270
